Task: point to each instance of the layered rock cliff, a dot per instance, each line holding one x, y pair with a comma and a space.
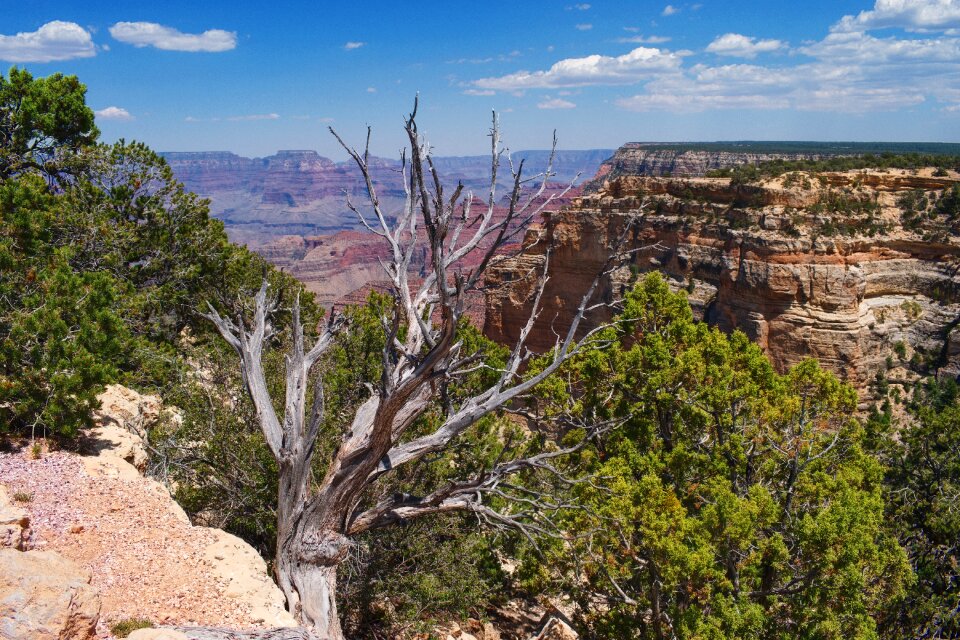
650, 159
857, 269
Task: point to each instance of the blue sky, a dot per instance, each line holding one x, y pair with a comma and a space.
254, 77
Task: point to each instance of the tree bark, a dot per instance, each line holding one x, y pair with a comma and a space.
307, 565
219, 633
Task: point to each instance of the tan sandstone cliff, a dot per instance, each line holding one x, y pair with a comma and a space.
856, 269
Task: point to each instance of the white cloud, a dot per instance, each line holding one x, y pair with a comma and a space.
851, 71
479, 92
53, 41
861, 48
639, 64
669, 10
151, 34
350, 46
254, 116
584, 27
556, 103
741, 46
918, 15
371, 89
113, 113
641, 39
582, 6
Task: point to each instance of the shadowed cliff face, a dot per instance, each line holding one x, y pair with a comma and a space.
859, 270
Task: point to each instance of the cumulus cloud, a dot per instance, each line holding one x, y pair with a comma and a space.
828, 85
916, 15
641, 63
669, 10
741, 46
151, 34
556, 103
862, 48
113, 113
846, 71
350, 46
56, 40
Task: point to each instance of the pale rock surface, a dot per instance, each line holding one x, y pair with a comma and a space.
157, 634
44, 596
121, 427
127, 408
145, 558
244, 575
116, 442
14, 524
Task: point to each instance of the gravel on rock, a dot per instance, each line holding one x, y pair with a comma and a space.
145, 561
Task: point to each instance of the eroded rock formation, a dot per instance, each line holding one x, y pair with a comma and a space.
44, 596
857, 269
651, 159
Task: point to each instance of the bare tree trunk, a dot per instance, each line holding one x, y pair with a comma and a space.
421, 356
313, 586
221, 633
309, 550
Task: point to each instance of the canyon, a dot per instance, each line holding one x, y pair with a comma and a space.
292, 207
858, 269
301, 193
825, 265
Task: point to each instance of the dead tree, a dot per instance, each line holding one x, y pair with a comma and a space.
318, 518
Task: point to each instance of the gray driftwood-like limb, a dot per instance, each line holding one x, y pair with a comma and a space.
218, 633
423, 356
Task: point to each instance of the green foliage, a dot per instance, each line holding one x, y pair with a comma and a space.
949, 203
419, 574
923, 476
900, 348
99, 274
734, 502
124, 628
61, 337
44, 123
745, 174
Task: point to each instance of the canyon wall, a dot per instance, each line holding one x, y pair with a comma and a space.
647, 159
840, 266
300, 193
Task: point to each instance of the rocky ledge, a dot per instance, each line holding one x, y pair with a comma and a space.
857, 269
87, 541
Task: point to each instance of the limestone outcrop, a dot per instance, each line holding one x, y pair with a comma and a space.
14, 524
858, 269
652, 159
44, 596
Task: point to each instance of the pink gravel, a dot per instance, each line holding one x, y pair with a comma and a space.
145, 561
